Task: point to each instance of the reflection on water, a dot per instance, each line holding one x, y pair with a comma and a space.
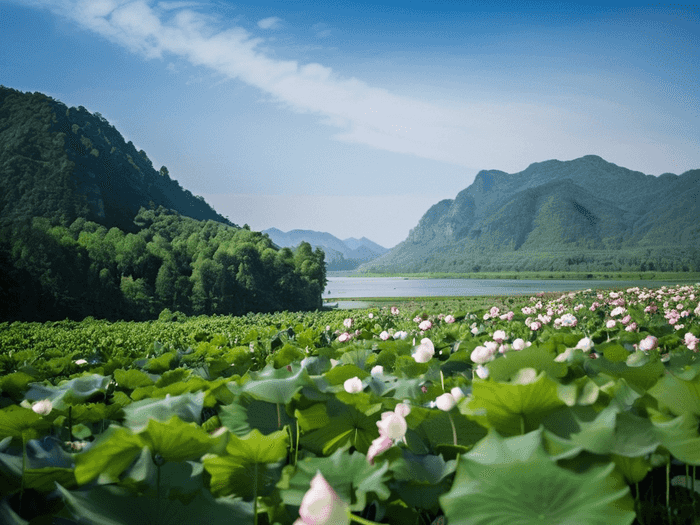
352, 287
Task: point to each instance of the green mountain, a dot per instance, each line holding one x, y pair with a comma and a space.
584, 215
89, 228
67, 162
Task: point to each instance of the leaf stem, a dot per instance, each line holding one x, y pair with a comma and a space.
255, 495
454, 430
668, 489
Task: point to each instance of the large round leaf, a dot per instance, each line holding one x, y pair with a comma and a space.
513, 481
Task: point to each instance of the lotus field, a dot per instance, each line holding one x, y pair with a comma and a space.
581, 408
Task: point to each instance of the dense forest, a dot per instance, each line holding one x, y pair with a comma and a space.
89, 228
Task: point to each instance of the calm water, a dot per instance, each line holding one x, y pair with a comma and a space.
349, 287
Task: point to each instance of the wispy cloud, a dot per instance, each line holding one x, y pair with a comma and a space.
484, 135
270, 23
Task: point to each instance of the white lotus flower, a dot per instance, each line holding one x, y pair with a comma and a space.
446, 402
43, 407
353, 385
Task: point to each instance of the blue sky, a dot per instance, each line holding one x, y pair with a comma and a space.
355, 117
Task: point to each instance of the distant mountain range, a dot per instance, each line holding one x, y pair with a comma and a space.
583, 214
347, 254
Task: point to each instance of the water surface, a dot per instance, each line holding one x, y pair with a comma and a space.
351, 287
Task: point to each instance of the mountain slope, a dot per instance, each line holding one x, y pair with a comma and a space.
584, 214
67, 162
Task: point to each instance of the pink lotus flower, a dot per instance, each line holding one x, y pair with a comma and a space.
535, 326
384, 335
499, 336
648, 343
379, 445
425, 325
585, 345
481, 355
321, 505
394, 310
392, 425
610, 323
518, 344
691, 341
377, 370
348, 322
449, 319
344, 337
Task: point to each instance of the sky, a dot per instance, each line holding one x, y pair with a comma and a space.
354, 117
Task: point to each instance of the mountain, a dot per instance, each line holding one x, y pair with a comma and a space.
585, 214
89, 228
66, 162
340, 255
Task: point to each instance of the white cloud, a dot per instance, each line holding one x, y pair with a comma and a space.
483, 135
269, 23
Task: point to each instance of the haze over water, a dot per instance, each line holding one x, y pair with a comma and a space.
351, 287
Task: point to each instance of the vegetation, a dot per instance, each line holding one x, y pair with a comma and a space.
90, 228
676, 277
388, 415
51, 271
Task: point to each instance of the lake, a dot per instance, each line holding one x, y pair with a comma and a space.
341, 288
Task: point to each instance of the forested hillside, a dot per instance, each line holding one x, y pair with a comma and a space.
89, 228
580, 215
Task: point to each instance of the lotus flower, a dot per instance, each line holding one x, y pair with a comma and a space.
585, 344
321, 505
353, 385
43, 407
648, 343
425, 325
425, 351
446, 402
392, 425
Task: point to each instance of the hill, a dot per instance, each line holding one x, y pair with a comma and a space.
347, 254
89, 228
585, 214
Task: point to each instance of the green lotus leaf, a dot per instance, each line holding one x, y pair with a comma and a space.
634, 469
684, 365
131, 379
614, 432
111, 505
513, 408
70, 392
437, 429
250, 466
187, 407
529, 357
112, 452
17, 421
581, 391
45, 479
420, 480
276, 385
340, 373
678, 435
176, 440
677, 395
350, 475
643, 377
507, 481
341, 426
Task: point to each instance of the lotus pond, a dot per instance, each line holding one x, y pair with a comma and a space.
581, 408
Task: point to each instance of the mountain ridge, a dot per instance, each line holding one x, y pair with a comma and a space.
553, 214
340, 254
